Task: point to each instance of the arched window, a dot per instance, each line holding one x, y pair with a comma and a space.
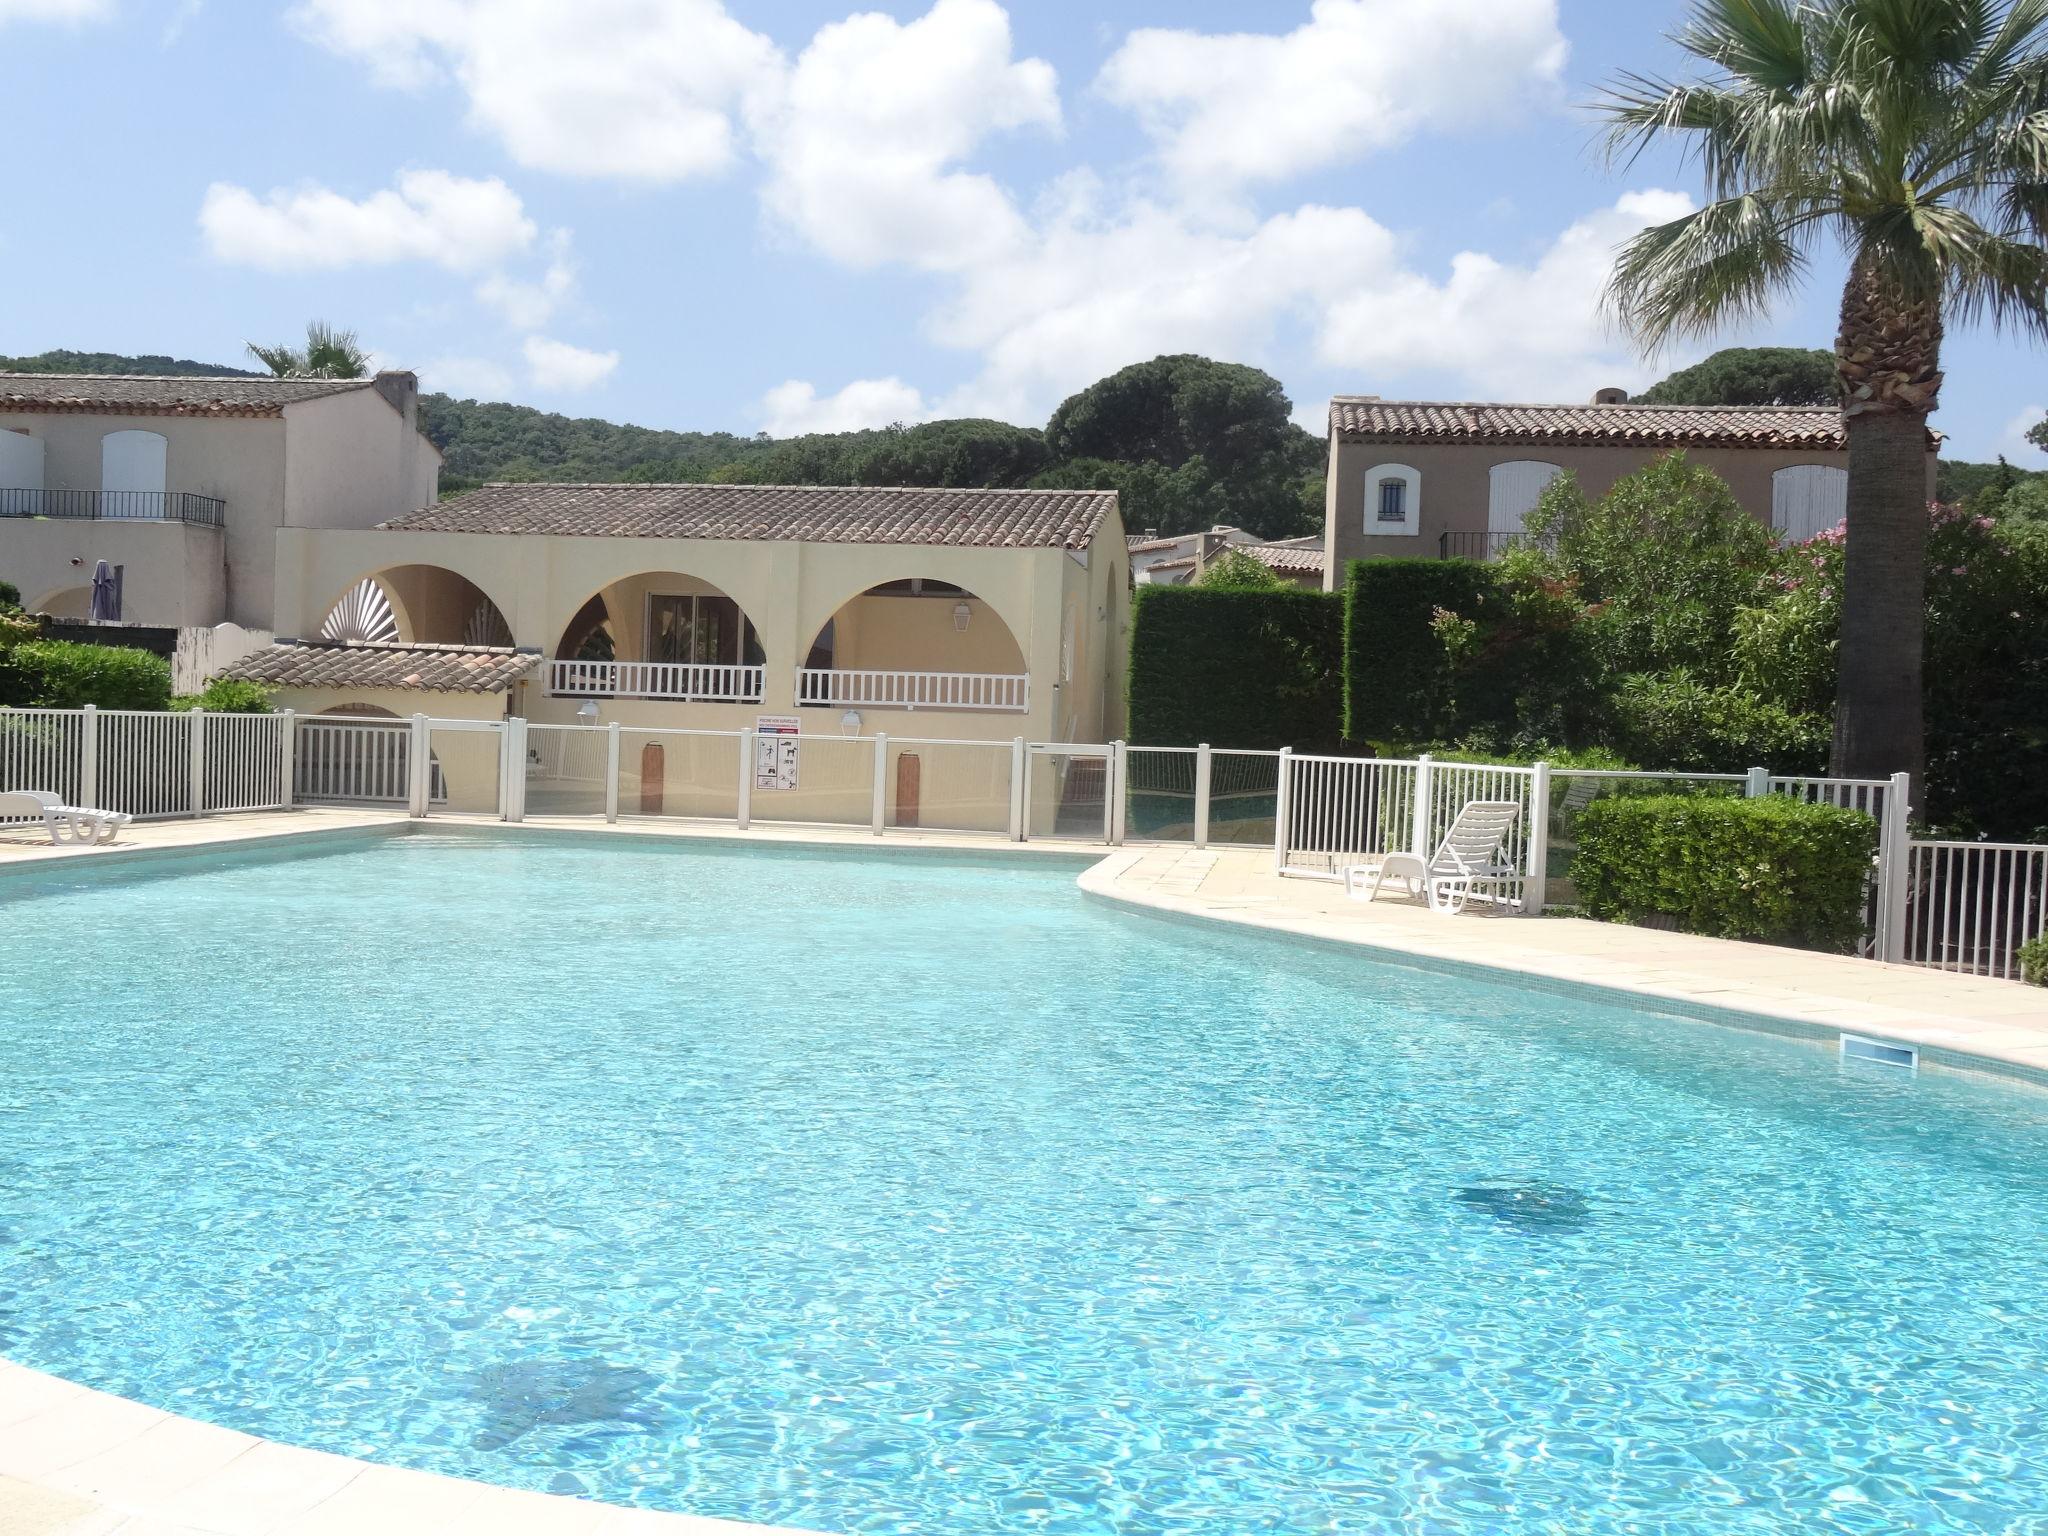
1512, 491
1393, 500
132, 474
1807, 499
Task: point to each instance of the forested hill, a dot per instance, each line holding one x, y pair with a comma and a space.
1187, 442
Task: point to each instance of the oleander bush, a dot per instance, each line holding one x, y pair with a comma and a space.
1774, 870
2033, 958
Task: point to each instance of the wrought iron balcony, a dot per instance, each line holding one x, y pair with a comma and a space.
1482, 545
116, 506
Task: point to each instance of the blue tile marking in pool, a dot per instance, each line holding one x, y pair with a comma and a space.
895, 1196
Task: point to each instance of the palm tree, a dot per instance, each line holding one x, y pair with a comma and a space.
328, 354
1910, 136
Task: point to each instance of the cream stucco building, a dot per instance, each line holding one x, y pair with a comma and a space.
182, 484
1410, 478
977, 614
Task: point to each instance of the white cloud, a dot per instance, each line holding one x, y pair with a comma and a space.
54, 10
2012, 442
636, 89
1359, 75
527, 306
432, 216
796, 407
560, 368
1516, 332
864, 140
468, 378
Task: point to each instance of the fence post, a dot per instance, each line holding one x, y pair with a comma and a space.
1424, 819
1894, 869
880, 811
1119, 767
1539, 840
89, 756
288, 755
197, 736
611, 771
1757, 784
1203, 770
745, 819
1017, 775
419, 767
1283, 809
512, 761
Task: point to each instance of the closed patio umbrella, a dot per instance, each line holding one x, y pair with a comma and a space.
106, 594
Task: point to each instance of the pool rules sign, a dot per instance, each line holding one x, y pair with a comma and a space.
775, 742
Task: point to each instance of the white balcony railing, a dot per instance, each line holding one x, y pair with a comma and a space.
993, 691
688, 681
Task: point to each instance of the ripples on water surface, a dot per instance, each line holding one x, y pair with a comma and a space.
886, 1195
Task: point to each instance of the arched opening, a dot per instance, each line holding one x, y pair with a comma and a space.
420, 605
915, 644
65, 603
659, 635
1808, 499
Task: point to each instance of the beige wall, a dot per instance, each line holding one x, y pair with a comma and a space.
172, 573
788, 591
1455, 486
890, 633
341, 461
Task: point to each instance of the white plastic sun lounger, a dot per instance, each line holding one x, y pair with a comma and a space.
1467, 864
64, 823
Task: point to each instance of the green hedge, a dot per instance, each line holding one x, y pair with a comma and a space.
1235, 669
1397, 679
1678, 722
1772, 869
62, 674
2033, 957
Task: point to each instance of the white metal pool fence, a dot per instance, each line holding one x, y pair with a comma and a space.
1954, 905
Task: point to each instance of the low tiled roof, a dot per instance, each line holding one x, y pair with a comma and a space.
1284, 557
153, 395
364, 664
1635, 426
809, 513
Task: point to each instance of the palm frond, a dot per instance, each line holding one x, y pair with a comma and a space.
1760, 42
283, 360
1984, 274
1724, 262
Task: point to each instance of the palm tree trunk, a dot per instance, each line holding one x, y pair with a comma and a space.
1888, 356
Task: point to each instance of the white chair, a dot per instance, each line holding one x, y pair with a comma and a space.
1467, 865
64, 823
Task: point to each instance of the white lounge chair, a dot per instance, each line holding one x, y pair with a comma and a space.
1467, 864
64, 823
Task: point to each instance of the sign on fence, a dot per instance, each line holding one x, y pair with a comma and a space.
775, 751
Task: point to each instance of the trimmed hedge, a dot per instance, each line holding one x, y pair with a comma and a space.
1774, 870
1397, 678
62, 674
1235, 669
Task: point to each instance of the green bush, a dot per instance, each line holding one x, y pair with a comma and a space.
10, 597
226, 696
62, 674
1398, 679
2033, 957
1774, 869
1236, 571
1678, 722
1235, 669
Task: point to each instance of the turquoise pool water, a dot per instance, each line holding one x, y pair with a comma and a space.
886, 1195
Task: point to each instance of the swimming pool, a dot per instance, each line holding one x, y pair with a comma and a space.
887, 1194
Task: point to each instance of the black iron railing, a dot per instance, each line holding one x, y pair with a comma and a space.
1482, 545
116, 506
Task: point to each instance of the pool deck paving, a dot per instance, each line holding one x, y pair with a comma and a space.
77, 1462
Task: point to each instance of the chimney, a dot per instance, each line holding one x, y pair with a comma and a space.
1610, 396
401, 387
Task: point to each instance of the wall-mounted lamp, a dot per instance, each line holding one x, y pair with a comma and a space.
586, 712
849, 723
961, 614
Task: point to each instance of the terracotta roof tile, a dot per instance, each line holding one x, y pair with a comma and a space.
153, 395
1284, 557
360, 664
807, 513
1648, 426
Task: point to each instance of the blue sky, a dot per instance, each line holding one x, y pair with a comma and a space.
749, 215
